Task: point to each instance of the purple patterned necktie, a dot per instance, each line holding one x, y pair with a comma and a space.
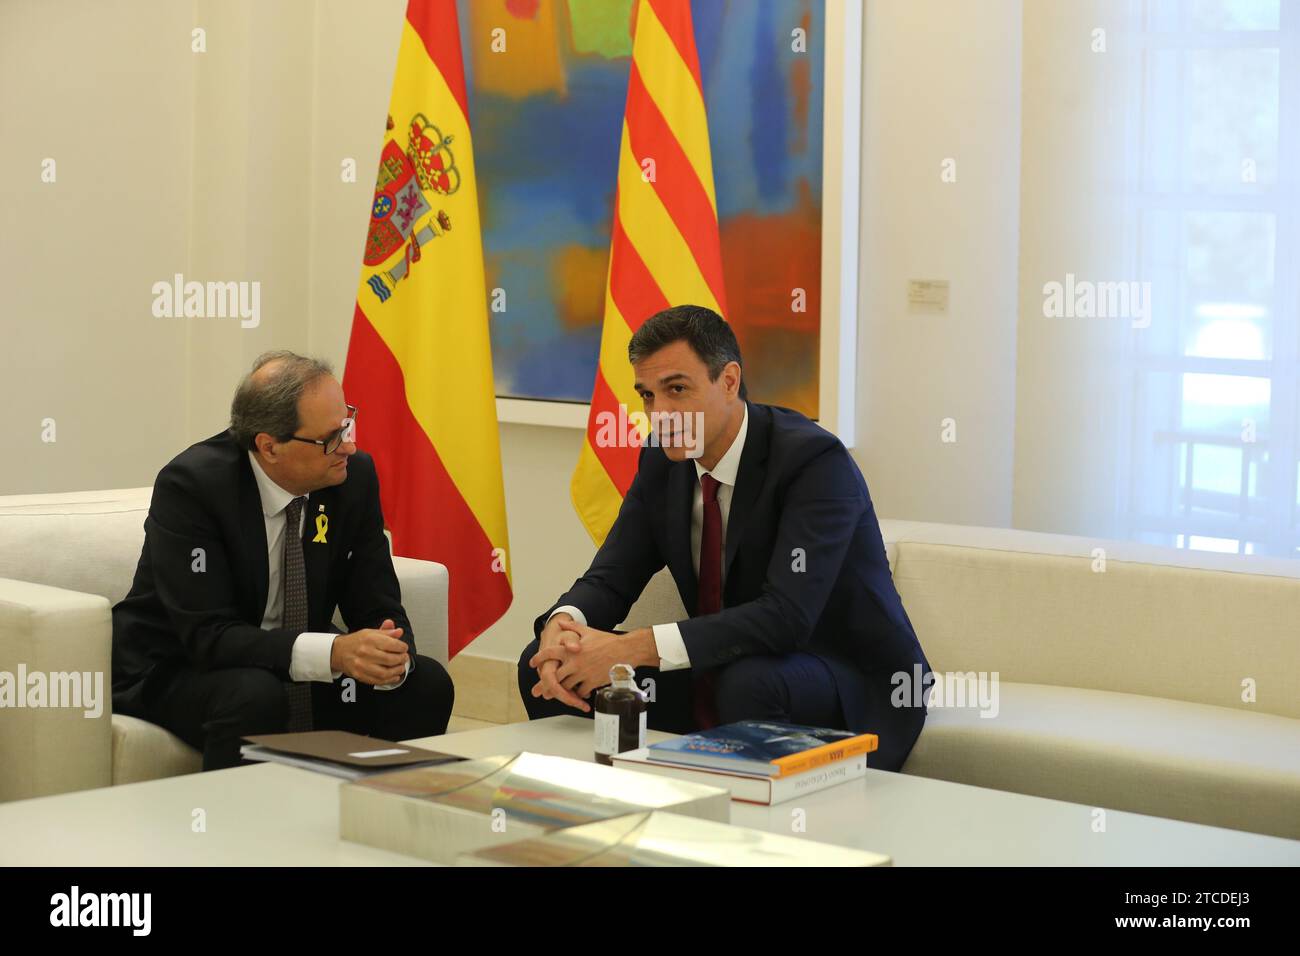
294, 576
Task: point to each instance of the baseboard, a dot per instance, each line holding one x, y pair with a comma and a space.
487, 688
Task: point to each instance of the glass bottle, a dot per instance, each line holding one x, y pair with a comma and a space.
619, 710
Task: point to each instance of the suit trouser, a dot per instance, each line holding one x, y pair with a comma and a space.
212, 710
794, 688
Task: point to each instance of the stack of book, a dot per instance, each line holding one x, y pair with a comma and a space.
655, 838
758, 761
438, 813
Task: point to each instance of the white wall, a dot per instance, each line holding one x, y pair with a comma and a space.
106, 91
252, 168
550, 546
941, 80
1070, 372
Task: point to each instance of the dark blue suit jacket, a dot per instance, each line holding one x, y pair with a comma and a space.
804, 570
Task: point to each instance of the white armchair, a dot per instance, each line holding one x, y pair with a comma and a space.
65, 560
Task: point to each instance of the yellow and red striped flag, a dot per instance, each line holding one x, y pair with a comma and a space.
664, 249
419, 363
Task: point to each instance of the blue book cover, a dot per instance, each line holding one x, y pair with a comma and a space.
748, 746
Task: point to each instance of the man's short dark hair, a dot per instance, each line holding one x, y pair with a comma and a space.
269, 403
706, 332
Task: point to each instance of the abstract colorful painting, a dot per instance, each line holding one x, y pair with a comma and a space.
547, 114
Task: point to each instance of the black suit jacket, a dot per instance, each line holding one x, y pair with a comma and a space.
206, 497
804, 567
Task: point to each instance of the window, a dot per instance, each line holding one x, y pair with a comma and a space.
1215, 457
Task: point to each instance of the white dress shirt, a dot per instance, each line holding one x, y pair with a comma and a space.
668, 637
310, 657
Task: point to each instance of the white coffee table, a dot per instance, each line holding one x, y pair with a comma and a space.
279, 815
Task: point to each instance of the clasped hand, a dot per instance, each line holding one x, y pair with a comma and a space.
573, 660
375, 656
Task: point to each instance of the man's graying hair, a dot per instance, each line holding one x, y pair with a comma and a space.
269, 403
702, 329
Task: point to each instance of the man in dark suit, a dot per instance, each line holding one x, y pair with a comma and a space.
253, 538
772, 540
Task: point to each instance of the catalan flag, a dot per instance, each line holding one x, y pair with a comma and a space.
419, 363
664, 249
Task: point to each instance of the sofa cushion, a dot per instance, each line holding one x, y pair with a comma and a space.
145, 751
86, 541
1193, 762
1175, 632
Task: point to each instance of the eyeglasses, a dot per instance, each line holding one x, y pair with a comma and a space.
345, 432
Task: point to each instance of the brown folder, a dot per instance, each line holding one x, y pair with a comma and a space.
349, 750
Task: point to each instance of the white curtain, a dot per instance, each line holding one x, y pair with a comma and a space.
1156, 382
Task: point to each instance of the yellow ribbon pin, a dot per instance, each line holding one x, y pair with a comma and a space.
322, 526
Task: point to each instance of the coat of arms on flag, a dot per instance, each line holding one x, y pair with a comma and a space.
400, 213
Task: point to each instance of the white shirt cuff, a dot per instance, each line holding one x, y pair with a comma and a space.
571, 610
671, 647
310, 657
399, 683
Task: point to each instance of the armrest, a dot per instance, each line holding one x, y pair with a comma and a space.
894, 530
62, 641
425, 588
890, 532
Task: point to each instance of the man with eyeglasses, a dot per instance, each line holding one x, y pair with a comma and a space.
254, 537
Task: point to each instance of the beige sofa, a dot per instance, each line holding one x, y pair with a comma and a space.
65, 560
1121, 671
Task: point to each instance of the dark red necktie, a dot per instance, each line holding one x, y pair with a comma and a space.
710, 594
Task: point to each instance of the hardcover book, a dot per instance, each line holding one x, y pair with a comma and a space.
763, 748
751, 788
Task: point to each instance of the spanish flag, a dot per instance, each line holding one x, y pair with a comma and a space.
419, 365
664, 249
